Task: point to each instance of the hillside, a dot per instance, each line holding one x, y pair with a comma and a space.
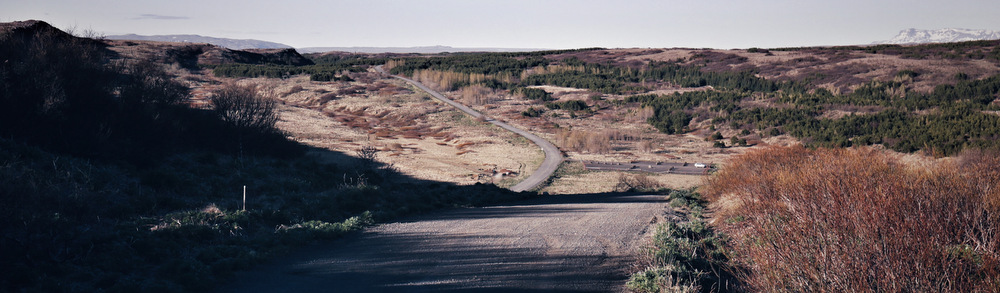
123, 163
235, 44
418, 50
112, 182
192, 55
684, 105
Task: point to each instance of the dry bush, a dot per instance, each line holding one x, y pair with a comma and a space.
847, 220
647, 145
447, 80
636, 182
249, 107
552, 69
580, 141
477, 95
643, 114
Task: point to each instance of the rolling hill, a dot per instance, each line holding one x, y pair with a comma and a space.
237, 44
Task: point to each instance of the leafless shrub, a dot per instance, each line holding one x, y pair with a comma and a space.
647, 145
368, 153
636, 182
577, 140
245, 107
477, 95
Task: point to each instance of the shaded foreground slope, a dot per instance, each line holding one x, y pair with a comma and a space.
110, 183
559, 243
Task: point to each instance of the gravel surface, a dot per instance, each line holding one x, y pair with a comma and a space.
568, 243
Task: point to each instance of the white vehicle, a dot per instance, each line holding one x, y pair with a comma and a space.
700, 165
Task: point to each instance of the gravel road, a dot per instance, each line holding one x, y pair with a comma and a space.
565, 243
553, 157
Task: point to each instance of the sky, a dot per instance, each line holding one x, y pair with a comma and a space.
540, 24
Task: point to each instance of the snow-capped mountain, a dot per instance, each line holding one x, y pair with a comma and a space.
948, 35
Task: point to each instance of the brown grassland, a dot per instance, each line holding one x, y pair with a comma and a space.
417, 135
861, 220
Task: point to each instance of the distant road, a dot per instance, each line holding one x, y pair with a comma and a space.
651, 167
552, 155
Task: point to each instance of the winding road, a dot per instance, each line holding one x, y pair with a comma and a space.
553, 157
558, 243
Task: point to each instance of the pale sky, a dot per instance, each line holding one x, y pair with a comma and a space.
562, 24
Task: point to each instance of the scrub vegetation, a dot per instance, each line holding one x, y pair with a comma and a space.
860, 219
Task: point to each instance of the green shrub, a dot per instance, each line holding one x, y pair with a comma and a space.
534, 94
648, 281
685, 256
571, 105
532, 112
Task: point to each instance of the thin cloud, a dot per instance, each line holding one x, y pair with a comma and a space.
160, 17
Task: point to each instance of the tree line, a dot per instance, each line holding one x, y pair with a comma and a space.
318, 72
956, 119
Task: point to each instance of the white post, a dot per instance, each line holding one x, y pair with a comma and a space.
244, 198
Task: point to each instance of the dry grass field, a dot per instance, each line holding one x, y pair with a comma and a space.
426, 139
429, 140
614, 133
416, 135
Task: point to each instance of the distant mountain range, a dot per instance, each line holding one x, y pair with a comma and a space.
948, 35
236, 44
241, 44
421, 50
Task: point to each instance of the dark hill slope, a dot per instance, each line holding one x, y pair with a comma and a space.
190, 55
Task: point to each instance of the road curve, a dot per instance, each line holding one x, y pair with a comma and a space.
553, 157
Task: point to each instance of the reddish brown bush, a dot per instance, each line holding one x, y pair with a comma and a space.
858, 220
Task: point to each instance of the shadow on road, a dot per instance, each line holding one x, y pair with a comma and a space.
540, 207
562, 243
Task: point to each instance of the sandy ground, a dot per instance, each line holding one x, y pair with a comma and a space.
554, 244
